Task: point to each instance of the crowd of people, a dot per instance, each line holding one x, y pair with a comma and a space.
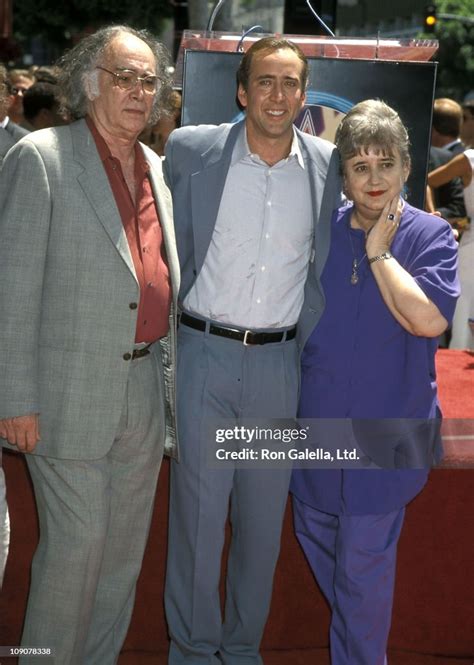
290, 304
453, 133
30, 99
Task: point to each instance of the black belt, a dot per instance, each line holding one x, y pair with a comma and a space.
247, 337
140, 353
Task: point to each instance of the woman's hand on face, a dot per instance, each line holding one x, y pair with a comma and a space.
380, 236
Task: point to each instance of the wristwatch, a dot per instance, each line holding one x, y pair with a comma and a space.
380, 257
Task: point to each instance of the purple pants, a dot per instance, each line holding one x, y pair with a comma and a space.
353, 558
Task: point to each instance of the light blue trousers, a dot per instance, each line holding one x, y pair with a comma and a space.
221, 378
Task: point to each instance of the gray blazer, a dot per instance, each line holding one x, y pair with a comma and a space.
196, 165
66, 283
6, 142
17, 132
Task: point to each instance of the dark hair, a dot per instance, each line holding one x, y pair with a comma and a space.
270, 44
80, 63
47, 75
447, 117
372, 124
39, 96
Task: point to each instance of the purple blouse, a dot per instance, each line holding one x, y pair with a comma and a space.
359, 362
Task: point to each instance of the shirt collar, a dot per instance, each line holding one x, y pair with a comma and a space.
296, 149
241, 148
4, 122
450, 145
141, 165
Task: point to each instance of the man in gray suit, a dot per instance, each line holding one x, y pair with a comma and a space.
88, 284
252, 205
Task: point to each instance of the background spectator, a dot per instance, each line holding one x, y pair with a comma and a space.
6, 141
13, 132
467, 130
157, 135
166, 124
42, 108
461, 166
446, 125
46, 74
448, 198
20, 80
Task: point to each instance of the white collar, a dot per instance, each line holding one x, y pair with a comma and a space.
241, 148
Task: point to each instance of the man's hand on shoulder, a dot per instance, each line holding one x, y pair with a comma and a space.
22, 431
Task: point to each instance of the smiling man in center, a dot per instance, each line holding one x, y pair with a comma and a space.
252, 205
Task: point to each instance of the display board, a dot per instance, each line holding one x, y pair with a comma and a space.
335, 85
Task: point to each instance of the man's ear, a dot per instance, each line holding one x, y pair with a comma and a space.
91, 85
242, 96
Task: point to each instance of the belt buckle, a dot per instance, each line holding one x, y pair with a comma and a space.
246, 334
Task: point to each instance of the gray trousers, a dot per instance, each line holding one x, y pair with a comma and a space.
221, 378
94, 520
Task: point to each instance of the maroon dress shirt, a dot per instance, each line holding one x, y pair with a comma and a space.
145, 239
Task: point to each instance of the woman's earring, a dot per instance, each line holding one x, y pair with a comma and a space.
344, 190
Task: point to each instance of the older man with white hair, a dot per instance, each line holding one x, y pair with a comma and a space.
88, 281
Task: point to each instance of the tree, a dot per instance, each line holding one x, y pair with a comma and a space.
456, 49
198, 11
60, 23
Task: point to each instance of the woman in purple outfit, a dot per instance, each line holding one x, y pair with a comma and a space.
391, 286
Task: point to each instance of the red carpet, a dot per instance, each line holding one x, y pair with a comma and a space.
456, 392
455, 371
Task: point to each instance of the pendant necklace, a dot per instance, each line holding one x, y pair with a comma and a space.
356, 263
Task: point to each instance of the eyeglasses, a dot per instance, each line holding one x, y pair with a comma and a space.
16, 90
127, 80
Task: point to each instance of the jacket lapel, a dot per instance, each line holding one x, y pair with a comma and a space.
165, 210
95, 184
207, 186
323, 200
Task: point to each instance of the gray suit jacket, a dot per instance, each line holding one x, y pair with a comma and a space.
196, 166
66, 283
16, 131
6, 142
